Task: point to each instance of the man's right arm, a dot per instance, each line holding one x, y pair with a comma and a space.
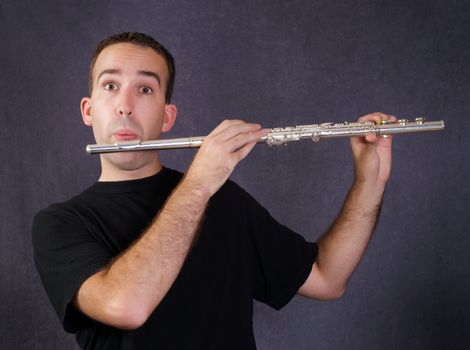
128, 291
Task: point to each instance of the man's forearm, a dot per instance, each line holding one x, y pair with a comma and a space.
342, 247
137, 280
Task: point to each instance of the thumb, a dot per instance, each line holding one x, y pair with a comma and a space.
364, 146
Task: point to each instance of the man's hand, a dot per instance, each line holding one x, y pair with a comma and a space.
222, 149
372, 154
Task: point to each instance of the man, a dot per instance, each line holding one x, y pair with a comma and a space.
148, 258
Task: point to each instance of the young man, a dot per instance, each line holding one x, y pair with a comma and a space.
151, 258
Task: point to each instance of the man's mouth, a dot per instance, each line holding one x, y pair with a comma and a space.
125, 135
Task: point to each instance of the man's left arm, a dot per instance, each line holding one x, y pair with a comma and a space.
343, 245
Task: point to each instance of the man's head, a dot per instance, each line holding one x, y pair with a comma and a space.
139, 39
131, 78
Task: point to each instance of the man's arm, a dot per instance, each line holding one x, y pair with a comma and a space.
127, 292
341, 248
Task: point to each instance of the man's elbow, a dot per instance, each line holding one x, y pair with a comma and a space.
319, 288
125, 315
335, 293
326, 294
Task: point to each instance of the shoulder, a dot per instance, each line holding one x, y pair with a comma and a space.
58, 211
57, 219
65, 209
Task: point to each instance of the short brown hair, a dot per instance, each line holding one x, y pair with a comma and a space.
141, 40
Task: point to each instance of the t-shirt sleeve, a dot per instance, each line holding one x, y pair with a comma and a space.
65, 255
283, 259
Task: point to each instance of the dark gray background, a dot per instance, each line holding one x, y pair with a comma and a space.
280, 64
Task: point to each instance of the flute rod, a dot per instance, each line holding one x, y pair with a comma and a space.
279, 136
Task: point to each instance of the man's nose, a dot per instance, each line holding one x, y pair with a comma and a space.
124, 108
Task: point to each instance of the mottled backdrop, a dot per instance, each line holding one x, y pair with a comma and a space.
279, 63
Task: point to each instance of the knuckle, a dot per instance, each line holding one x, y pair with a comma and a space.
223, 171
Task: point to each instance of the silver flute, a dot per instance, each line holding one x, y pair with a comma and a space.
281, 136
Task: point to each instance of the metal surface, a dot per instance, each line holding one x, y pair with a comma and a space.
280, 136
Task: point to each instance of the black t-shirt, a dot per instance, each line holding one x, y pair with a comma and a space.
240, 253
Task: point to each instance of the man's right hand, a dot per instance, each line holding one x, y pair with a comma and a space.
222, 149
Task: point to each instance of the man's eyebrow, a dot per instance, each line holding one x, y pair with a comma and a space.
148, 73
108, 71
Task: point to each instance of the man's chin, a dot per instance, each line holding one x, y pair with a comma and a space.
131, 161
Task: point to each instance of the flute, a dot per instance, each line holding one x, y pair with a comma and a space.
281, 136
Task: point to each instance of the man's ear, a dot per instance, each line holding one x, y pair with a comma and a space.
169, 117
85, 107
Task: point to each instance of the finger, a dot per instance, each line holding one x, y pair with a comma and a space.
361, 142
237, 129
378, 117
371, 138
225, 124
241, 140
245, 150
385, 141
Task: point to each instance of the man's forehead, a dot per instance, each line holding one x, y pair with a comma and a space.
127, 57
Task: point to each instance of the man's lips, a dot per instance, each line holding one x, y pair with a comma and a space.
124, 135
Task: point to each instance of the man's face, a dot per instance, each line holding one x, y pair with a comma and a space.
128, 98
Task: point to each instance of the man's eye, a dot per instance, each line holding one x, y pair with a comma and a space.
146, 90
110, 86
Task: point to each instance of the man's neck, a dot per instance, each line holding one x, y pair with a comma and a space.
112, 173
